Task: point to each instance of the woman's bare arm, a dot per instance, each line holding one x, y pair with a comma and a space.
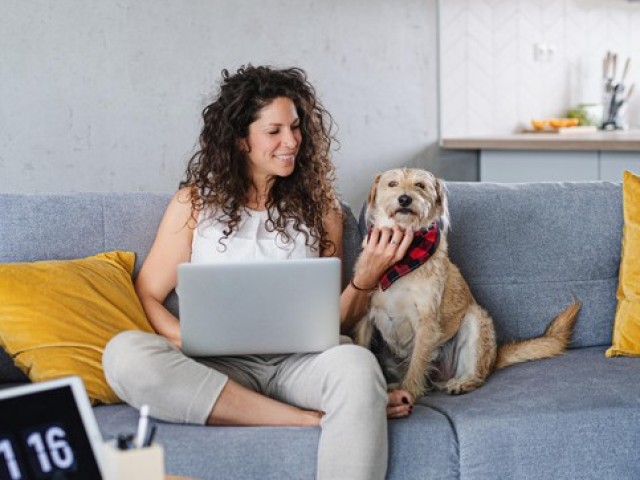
353, 303
158, 275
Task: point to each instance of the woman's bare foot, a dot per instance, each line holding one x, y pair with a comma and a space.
400, 404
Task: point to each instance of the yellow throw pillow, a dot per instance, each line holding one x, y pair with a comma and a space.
626, 329
57, 316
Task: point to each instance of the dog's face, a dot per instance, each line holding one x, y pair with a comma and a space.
407, 197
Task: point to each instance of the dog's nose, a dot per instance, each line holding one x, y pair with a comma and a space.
404, 200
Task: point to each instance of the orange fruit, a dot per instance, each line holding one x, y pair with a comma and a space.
539, 124
564, 122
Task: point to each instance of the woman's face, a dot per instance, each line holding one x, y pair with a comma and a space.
273, 141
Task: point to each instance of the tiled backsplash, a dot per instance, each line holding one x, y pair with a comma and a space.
490, 78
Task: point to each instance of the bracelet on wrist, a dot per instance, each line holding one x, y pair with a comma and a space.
359, 288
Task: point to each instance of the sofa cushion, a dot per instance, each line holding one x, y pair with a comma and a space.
574, 416
423, 446
626, 332
351, 244
525, 249
57, 316
63, 226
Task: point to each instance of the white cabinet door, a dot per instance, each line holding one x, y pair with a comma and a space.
515, 166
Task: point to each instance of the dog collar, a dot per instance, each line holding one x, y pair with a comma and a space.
423, 246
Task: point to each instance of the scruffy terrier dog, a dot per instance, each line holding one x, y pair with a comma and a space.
434, 332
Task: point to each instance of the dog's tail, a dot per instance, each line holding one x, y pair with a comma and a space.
553, 342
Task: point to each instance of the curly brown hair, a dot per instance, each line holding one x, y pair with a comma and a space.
218, 173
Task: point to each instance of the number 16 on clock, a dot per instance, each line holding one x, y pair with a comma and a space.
47, 450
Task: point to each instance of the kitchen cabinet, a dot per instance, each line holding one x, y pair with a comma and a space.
510, 166
553, 157
612, 164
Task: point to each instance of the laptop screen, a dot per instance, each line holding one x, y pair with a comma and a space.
42, 436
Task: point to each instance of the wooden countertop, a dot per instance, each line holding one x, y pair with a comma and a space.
611, 141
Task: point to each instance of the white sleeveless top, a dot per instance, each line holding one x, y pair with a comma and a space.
250, 240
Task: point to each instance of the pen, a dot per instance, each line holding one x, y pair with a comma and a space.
143, 424
152, 433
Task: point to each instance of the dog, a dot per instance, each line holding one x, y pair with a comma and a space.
435, 335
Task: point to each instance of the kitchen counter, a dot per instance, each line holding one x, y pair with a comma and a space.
542, 157
622, 141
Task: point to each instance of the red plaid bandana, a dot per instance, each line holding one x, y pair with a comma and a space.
424, 244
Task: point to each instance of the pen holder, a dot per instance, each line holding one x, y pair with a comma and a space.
134, 463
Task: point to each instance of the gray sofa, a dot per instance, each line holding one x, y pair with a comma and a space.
524, 249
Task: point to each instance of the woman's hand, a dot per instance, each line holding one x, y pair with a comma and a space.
400, 404
384, 247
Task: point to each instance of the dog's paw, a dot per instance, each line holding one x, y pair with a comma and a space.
459, 386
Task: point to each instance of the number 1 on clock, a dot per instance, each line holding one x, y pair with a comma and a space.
8, 455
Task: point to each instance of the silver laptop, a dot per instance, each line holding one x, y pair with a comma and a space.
259, 307
48, 430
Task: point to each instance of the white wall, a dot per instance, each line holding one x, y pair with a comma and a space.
490, 80
106, 95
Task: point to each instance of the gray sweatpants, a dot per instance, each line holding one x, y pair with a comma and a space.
345, 382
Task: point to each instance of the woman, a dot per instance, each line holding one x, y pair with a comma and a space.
261, 186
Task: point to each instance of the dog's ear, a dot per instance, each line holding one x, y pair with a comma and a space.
442, 204
371, 200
